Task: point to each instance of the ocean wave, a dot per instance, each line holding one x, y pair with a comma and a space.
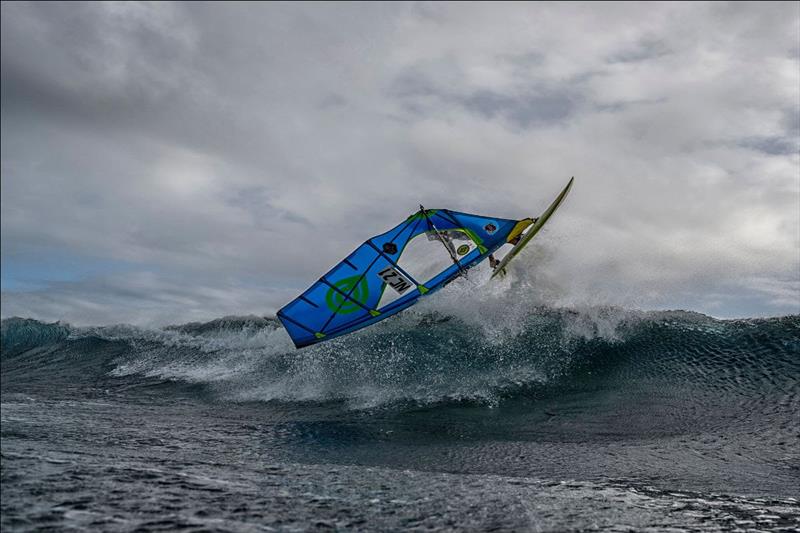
22, 334
428, 355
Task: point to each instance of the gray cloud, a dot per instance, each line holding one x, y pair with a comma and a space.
229, 154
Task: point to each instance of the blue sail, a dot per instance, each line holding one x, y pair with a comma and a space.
392, 271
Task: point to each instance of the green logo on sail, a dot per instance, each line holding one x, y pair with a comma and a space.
344, 306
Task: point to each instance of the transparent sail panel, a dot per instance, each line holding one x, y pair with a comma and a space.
428, 254
396, 285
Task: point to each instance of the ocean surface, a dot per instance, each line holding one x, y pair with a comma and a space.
504, 418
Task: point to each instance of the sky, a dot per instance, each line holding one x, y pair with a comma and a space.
164, 163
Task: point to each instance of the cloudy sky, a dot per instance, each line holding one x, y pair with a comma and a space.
172, 162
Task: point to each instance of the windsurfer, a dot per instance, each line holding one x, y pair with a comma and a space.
493, 262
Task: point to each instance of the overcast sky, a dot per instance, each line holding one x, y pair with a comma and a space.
172, 162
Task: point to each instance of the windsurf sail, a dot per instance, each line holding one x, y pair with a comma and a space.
391, 272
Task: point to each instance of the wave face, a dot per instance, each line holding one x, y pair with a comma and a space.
674, 399
429, 356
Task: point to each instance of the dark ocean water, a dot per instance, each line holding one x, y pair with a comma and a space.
529, 419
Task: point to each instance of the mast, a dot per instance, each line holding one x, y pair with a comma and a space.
441, 239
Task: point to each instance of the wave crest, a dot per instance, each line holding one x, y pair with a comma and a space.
430, 354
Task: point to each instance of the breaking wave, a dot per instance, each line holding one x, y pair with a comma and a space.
425, 356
